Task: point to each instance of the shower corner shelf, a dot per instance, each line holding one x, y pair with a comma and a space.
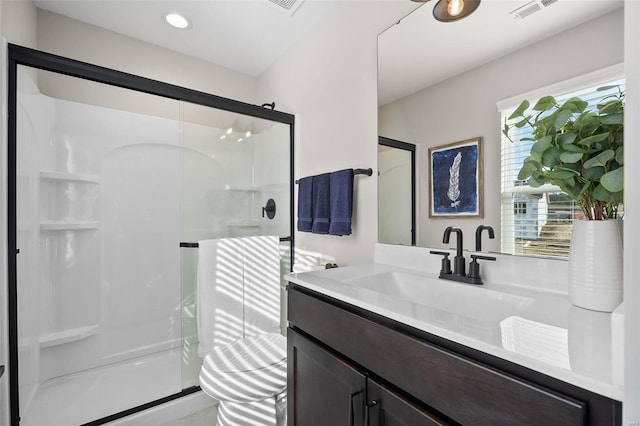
69, 177
237, 188
243, 223
68, 336
69, 226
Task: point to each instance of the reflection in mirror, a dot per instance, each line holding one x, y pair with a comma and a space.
441, 82
396, 192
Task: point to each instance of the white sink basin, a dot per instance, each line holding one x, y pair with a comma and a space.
463, 300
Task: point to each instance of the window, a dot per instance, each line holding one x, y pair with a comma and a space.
538, 221
519, 207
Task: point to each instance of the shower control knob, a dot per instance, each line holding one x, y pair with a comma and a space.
269, 209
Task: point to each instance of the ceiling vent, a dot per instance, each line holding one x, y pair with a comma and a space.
531, 8
287, 6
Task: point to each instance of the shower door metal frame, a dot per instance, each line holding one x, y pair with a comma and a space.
19, 55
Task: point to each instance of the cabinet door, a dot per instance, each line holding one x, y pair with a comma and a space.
323, 389
387, 408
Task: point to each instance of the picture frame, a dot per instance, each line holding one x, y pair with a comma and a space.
456, 180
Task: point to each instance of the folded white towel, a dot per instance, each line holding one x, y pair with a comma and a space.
238, 289
219, 293
261, 285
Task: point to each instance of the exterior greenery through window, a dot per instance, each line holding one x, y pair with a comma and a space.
537, 221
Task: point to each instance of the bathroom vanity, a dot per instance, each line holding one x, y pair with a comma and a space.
384, 345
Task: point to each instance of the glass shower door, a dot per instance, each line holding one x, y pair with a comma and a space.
113, 189
98, 271
233, 164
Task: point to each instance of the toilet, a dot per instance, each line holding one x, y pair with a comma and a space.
249, 378
244, 355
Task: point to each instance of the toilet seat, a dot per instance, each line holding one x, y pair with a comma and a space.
247, 370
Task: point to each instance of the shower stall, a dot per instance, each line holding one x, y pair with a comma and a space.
113, 179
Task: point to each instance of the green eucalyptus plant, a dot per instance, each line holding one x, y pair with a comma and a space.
576, 148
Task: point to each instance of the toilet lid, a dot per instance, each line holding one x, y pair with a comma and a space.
249, 354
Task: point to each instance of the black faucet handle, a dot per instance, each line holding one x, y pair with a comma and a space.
474, 267
479, 257
445, 268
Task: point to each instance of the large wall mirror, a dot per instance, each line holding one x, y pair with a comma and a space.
440, 83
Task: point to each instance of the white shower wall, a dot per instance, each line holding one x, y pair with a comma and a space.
255, 169
104, 198
109, 276
37, 114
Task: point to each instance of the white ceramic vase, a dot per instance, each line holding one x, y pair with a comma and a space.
595, 264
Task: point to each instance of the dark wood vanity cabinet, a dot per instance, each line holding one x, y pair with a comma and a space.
348, 366
387, 408
327, 390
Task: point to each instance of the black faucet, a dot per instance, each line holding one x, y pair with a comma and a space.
459, 262
479, 235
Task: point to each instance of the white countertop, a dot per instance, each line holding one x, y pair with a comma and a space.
537, 328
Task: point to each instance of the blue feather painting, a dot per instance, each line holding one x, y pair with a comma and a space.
455, 179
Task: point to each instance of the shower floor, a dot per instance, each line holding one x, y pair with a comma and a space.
80, 398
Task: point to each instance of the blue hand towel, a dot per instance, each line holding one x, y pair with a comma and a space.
341, 183
305, 204
321, 204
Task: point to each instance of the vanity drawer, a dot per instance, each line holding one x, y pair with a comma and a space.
464, 390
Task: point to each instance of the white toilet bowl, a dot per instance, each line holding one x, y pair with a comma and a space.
249, 378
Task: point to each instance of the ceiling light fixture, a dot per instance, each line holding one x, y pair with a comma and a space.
177, 21
452, 10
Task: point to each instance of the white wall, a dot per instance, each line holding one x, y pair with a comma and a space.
464, 107
19, 22
631, 406
328, 78
73, 39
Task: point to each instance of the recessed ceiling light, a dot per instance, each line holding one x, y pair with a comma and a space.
176, 20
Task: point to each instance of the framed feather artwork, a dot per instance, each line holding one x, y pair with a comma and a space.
455, 180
